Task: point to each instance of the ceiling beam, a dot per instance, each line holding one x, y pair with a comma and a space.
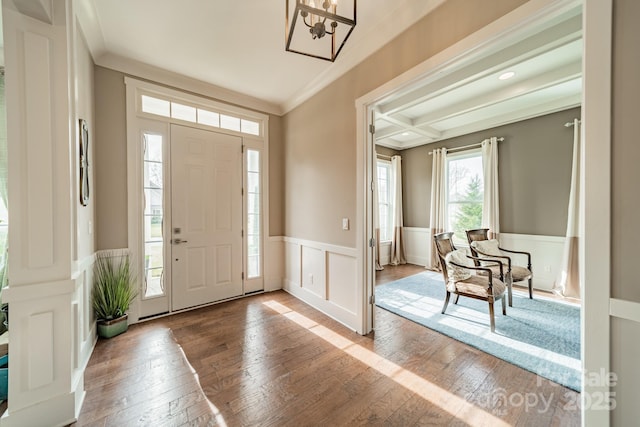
564, 74
556, 105
556, 36
404, 124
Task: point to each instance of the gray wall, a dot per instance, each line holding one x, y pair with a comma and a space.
320, 134
111, 163
625, 205
534, 169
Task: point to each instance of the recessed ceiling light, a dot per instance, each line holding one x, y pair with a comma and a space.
507, 75
405, 133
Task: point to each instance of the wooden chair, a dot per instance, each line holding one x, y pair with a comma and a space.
514, 273
485, 287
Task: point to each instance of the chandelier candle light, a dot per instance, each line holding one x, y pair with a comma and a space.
321, 33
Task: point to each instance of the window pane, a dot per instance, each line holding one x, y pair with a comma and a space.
152, 175
465, 192
153, 201
253, 182
208, 118
250, 127
153, 255
183, 112
253, 245
253, 267
228, 122
253, 203
154, 284
253, 161
153, 147
253, 224
153, 227
155, 106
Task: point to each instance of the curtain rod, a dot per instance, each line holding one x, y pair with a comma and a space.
383, 156
569, 124
479, 144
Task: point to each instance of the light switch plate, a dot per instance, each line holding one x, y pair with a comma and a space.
345, 223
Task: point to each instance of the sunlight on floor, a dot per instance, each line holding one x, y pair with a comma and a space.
219, 418
455, 405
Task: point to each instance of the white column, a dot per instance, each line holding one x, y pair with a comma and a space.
45, 381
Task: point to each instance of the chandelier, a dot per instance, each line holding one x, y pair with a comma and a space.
320, 32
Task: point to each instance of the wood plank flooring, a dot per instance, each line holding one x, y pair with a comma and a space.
271, 360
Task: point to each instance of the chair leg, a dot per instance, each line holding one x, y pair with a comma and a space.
446, 302
491, 317
455, 301
510, 292
530, 288
504, 306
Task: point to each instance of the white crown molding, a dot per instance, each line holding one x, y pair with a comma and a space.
87, 16
179, 81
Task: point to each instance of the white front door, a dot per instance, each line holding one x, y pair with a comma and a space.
206, 224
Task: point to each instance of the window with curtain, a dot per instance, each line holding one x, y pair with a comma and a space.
465, 190
385, 203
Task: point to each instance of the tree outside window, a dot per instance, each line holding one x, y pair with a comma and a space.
465, 191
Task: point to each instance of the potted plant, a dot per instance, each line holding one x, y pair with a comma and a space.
113, 291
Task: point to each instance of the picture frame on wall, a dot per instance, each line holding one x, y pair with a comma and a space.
84, 163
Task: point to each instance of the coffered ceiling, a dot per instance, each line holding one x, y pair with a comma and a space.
547, 77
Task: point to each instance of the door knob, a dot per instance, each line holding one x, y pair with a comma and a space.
178, 241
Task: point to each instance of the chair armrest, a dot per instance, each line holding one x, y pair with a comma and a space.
490, 258
492, 261
528, 254
488, 270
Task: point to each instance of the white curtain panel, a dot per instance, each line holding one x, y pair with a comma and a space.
376, 213
438, 216
4, 173
397, 239
491, 202
568, 281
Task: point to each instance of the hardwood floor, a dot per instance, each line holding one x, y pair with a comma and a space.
271, 360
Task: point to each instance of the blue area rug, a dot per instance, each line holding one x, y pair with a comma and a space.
539, 335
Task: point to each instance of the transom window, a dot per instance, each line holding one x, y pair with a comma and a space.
465, 191
201, 116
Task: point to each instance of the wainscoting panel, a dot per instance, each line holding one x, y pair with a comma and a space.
625, 323
313, 271
342, 276
417, 245
333, 287
40, 353
385, 253
546, 256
